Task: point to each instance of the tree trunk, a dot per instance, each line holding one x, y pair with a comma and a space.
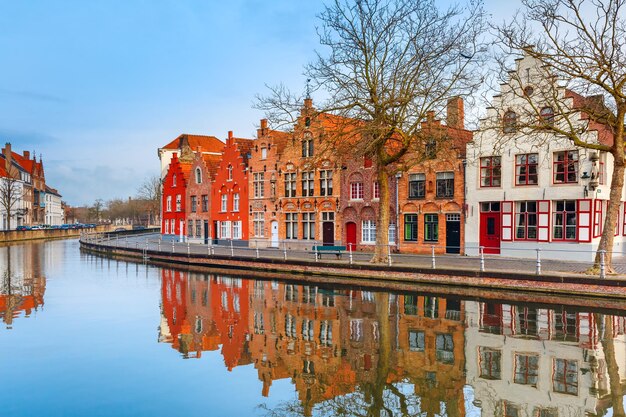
382, 223
615, 200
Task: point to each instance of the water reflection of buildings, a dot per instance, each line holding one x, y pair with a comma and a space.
22, 284
528, 361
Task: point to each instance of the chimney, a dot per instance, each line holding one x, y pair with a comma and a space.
8, 156
308, 103
26, 154
455, 113
263, 124
230, 136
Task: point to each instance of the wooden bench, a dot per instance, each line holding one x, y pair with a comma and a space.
336, 250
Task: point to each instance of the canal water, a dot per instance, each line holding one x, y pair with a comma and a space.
89, 336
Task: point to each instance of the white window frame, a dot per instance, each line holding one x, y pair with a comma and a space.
368, 232
224, 203
237, 229
236, 202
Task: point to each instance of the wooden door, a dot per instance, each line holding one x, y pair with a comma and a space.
328, 233
351, 236
490, 232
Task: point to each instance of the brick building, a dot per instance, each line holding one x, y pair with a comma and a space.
263, 186
199, 196
431, 194
229, 195
307, 201
174, 199
207, 145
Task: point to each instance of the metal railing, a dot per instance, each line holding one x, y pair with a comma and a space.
436, 258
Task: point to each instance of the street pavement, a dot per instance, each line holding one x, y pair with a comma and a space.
491, 262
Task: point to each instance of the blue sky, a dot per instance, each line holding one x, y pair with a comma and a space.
97, 86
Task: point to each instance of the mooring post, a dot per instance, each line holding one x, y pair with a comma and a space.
257, 250
482, 259
232, 250
432, 248
602, 265
188, 248
172, 245
538, 267
285, 251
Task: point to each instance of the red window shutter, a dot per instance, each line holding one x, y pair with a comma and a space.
583, 220
507, 220
543, 220
597, 218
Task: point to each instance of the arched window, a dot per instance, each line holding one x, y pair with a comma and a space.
510, 122
230, 172
198, 176
547, 114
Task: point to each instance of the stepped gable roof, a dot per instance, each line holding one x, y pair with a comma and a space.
185, 167
245, 147
211, 162
209, 144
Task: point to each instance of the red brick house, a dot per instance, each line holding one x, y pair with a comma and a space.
264, 179
203, 169
431, 194
174, 200
229, 195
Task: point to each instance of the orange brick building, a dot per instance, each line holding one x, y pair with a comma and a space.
229, 202
431, 194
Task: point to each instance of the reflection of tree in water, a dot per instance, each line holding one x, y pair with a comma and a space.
12, 293
605, 323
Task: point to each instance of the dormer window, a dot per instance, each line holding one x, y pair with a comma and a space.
307, 145
509, 122
198, 176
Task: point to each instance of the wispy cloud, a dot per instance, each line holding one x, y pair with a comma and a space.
32, 95
25, 139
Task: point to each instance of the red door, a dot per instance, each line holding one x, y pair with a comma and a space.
351, 236
490, 232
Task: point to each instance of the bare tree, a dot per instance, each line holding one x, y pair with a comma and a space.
150, 190
11, 194
95, 211
386, 64
579, 45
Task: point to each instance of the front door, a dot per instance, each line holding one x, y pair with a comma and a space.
328, 235
206, 232
453, 233
274, 229
215, 230
490, 232
351, 236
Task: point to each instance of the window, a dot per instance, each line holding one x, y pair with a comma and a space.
490, 171
526, 220
526, 369
308, 184
194, 203
169, 203
547, 115
167, 227
236, 202
198, 176
565, 376
189, 228
328, 216
431, 227
290, 184
417, 341
205, 203
258, 181
308, 226
444, 348
174, 180
564, 220
178, 203
326, 182
368, 231
173, 226
410, 227
511, 410
258, 222
490, 363
565, 167
307, 145
224, 205
601, 169
291, 222
445, 184
367, 161
356, 330
263, 153
225, 230
526, 169
356, 191
376, 191
431, 149
417, 185
230, 172
509, 122
326, 333
198, 228
237, 229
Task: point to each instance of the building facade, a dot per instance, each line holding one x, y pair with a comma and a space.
199, 197
529, 191
174, 204
229, 195
431, 194
55, 215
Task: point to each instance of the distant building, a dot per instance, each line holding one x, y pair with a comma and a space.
55, 214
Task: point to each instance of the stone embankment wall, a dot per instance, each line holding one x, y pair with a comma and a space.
19, 235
